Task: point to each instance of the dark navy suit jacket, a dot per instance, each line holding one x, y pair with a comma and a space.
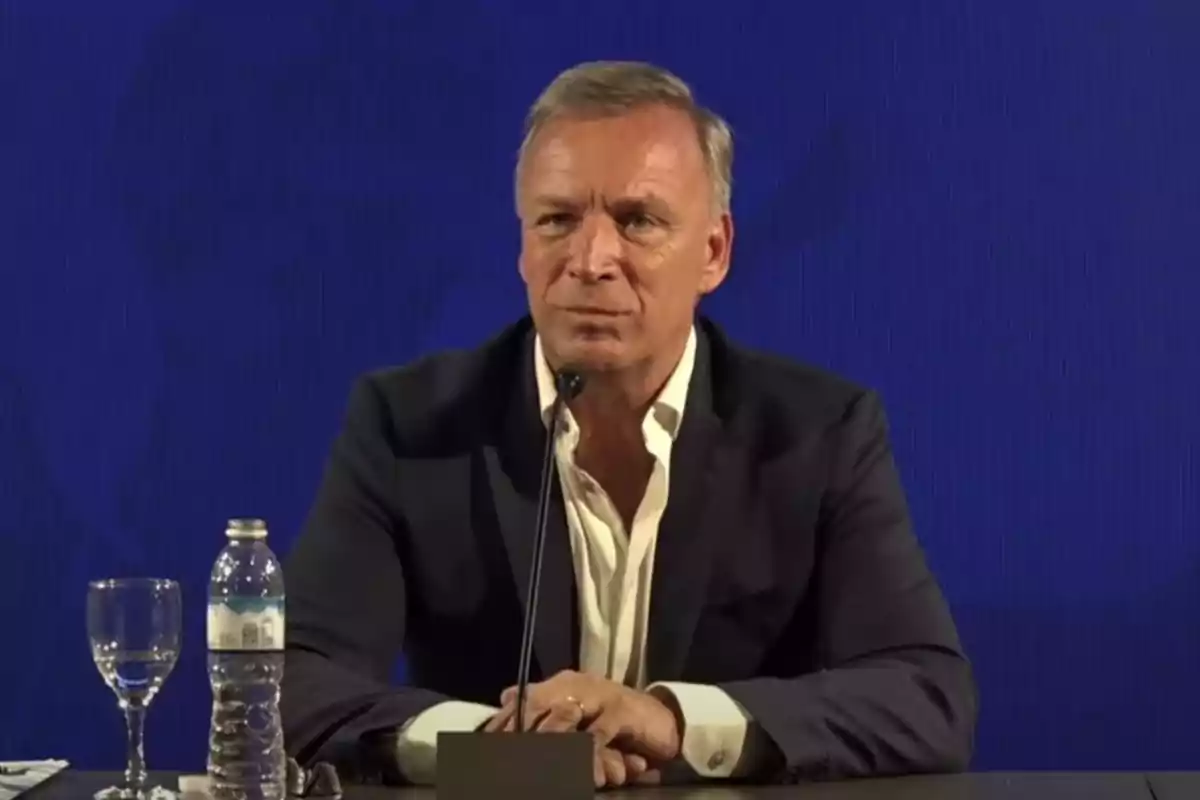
787, 571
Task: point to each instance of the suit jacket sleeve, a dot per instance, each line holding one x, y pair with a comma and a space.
346, 598
896, 694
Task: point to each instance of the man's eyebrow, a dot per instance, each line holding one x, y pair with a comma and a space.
648, 202
556, 201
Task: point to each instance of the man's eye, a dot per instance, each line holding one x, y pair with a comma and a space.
557, 220
638, 222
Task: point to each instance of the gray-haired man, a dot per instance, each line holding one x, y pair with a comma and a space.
732, 585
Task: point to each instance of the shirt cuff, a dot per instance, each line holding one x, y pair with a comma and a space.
715, 727
416, 744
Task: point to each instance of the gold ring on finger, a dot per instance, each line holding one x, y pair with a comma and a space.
572, 699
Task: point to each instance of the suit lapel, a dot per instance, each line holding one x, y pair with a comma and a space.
700, 511
514, 470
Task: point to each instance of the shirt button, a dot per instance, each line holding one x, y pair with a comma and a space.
716, 759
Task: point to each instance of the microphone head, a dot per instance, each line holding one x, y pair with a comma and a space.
569, 383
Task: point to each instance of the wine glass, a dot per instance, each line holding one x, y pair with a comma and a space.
134, 625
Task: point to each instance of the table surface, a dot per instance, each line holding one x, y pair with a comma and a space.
976, 786
1175, 785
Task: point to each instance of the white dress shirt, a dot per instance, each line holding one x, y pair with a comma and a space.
613, 570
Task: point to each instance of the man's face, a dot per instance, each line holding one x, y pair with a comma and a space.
619, 237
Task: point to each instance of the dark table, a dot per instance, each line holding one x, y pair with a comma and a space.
73, 785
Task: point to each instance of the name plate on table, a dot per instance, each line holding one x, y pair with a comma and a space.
530, 766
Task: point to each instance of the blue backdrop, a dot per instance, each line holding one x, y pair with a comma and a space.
213, 215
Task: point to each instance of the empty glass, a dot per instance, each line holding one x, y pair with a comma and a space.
134, 625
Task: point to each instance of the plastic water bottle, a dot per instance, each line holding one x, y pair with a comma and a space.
246, 759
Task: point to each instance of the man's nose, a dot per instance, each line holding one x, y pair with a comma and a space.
596, 255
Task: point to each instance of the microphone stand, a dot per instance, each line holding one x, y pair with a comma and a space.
568, 385
524, 764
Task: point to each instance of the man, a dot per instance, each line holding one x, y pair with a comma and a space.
732, 588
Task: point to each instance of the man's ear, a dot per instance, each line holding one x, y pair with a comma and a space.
720, 245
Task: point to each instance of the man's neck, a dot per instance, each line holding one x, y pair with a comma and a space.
614, 403
609, 407
612, 447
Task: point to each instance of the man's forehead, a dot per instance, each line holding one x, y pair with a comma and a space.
653, 126
645, 151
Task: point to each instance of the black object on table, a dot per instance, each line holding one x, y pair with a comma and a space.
73, 785
531, 765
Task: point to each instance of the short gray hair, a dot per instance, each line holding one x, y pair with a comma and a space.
610, 88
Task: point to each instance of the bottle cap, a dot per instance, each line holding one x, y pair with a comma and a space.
246, 529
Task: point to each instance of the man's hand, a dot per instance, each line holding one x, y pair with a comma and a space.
634, 731
610, 767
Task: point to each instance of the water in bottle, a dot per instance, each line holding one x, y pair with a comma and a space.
246, 759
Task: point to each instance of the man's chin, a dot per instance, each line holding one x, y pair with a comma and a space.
594, 356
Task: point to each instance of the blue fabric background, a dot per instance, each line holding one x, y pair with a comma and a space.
214, 214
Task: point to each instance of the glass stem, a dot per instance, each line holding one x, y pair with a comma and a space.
135, 755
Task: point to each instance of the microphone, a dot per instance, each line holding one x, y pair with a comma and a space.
525, 764
569, 384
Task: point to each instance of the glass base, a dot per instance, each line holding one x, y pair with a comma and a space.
147, 793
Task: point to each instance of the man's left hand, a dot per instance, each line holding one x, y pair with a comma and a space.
618, 716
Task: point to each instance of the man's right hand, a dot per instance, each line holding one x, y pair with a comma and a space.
610, 767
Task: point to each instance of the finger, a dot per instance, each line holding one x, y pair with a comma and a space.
651, 777
635, 766
545, 703
607, 726
563, 680
498, 721
509, 696
562, 716
610, 768
533, 716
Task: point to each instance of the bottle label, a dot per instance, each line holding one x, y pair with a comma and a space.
238, 624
